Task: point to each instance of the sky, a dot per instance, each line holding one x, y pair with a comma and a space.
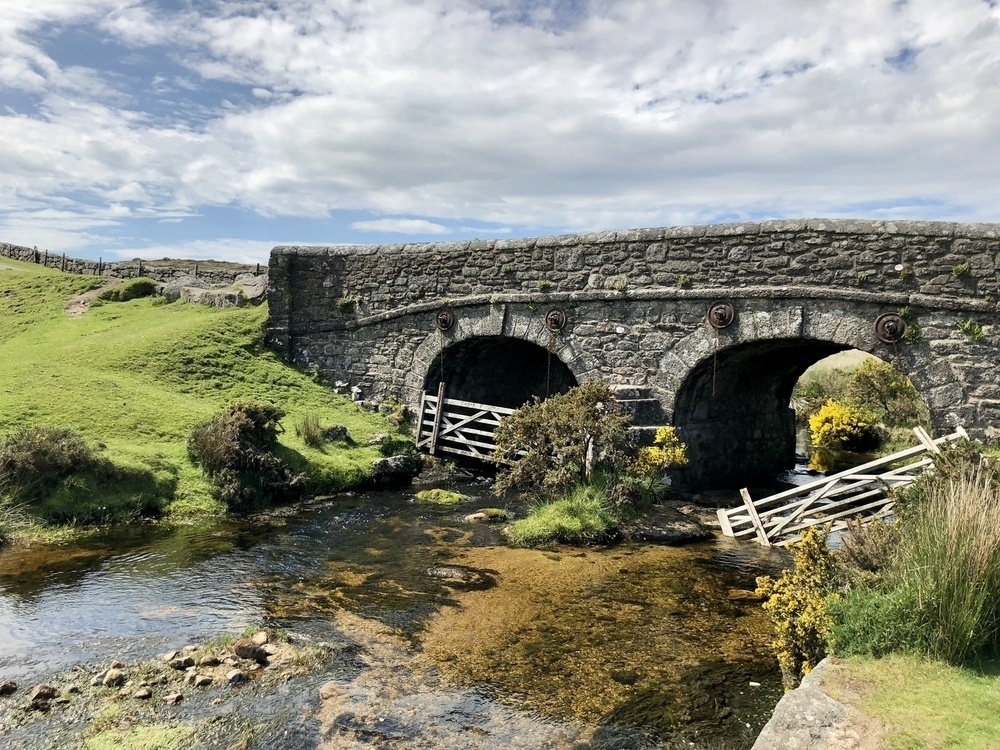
220, 128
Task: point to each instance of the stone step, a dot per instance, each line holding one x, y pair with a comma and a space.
644, 434
631, 392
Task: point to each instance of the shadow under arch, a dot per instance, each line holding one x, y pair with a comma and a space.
499, 371
733, 410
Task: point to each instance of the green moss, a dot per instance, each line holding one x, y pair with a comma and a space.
440, 497
129, 290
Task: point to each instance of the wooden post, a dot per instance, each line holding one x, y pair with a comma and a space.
754, 518
196, 270
100, 266
437, 418
63, 268
140, 266
420, 416
258, 270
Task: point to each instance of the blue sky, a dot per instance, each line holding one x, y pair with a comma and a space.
219, 128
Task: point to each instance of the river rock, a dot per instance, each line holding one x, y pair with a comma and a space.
182, 662
394, 471
143, 694
43, 692
248, 649
113, 678
8, 687
665, 525
808, 719
170, 656
236, 676
260, 637
209, 660
461, 575
117, 665
173, 699
203, 680
98, 679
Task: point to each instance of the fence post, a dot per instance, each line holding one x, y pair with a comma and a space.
63, 268
100, 266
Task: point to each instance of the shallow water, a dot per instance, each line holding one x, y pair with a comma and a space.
630, 641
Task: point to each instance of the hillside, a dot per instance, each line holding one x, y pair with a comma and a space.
135, 377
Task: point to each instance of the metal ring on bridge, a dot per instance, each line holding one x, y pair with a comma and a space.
720, 315
445, 320
555, 320
890, 328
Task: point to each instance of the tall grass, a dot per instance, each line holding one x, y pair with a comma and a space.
940, 594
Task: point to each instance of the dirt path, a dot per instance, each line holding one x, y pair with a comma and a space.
81, 303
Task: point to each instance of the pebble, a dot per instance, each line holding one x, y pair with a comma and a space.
113, 678
236, 676
143, 694
182, 662
209, 660
173, 699
260, 637
170, 656
203, 680
330, 690
43, 692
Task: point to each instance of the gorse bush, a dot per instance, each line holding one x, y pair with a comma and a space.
51, 474
34, 460
549, 447
844, 427
236, 451
880, 389
667, 452
797, 606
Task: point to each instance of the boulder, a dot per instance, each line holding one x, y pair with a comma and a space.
182, 662
236, 676
336, 433
253, 288
8, 687
395, 471
209, 660
143, 694
664, 525
173, 699
212, 297
203, 680
172, 289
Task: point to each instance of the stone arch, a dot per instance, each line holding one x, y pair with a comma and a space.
730, 389
483, 324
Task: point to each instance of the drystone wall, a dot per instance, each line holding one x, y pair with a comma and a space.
212, 272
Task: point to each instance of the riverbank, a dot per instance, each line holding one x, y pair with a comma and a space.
134, 378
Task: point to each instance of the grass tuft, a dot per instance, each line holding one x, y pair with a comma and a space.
583, 516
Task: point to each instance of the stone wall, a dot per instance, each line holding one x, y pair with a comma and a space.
636, 306
212, 272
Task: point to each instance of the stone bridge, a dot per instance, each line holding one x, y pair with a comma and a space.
500, 321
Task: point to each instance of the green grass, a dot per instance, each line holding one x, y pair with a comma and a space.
155, 737
136, 377
924, 704
584, 516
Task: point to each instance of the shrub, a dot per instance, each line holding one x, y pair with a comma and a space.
129, 290
879, 388
584, 516
844, 427
667, 452
816, 388
796, 605
236, 451
549, 447
34, 460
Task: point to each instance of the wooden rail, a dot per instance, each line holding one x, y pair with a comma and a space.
462, 427
861, 492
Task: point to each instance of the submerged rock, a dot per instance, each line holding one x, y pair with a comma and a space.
8, 687
459, 574
666, 526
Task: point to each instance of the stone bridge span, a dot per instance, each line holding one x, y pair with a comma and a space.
500, 321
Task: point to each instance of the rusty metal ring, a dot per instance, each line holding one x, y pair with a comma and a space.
720, 315
445, 320
890, 328
555, 320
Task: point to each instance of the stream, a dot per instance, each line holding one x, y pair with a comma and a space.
630, 646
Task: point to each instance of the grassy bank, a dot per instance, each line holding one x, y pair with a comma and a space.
922, 704
134, 378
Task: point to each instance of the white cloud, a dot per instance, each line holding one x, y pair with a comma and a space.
557, 115
400, 226
234, 250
